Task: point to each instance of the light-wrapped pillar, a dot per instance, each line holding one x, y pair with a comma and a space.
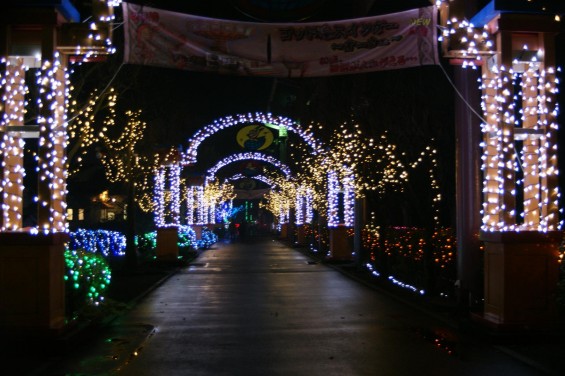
51, 156
12, 150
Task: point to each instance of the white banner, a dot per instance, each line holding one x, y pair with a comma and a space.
167, 39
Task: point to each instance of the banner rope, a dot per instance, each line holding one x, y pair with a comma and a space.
474, 111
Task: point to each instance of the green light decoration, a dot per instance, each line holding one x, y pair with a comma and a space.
187, 237
87, 277
283, 131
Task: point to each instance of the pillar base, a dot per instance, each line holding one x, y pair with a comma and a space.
300, 235
341, 244
167, 244
521, 276
32, 286
198, 231
284, 231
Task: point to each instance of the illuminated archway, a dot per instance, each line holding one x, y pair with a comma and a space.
261, 178
211, 173
280, 122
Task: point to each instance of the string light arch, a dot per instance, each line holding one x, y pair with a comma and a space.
211, 173
262, 178
191, 154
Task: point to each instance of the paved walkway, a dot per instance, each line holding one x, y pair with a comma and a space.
266, 309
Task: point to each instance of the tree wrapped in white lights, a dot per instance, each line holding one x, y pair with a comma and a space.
303, 211
167, 196
85, 127
189, 201
344, 168
201, 208
214, 195
278, 203
95, 125
287, 194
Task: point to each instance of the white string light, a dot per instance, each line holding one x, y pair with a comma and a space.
167, 196
12, 147
190, 205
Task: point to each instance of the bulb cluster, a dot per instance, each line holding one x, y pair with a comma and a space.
97, 39
89, 275
467, 42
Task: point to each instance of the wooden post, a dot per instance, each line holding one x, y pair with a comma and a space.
167, 243
521, 277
